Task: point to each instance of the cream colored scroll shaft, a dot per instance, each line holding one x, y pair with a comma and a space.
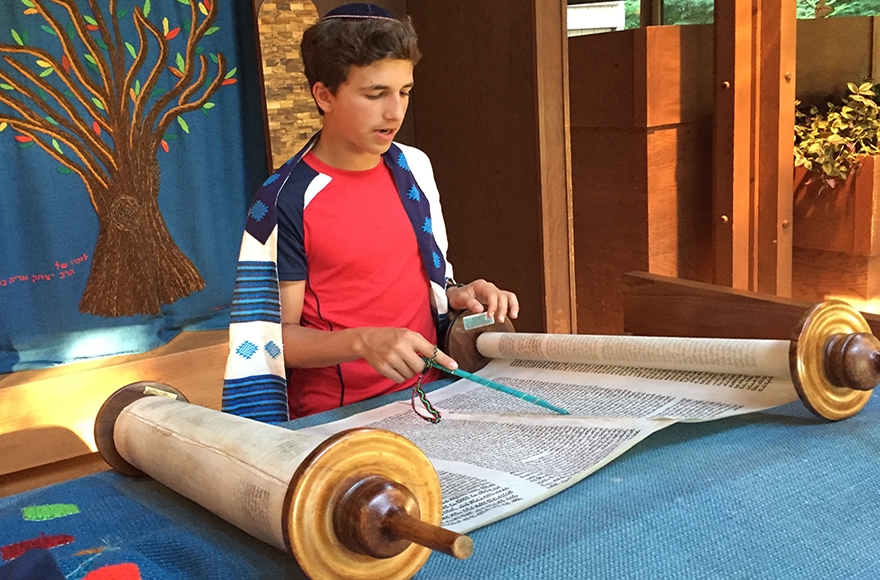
718, 355
237, 468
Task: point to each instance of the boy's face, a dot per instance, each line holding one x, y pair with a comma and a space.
365, 114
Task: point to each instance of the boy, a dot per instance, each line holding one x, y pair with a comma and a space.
360, 246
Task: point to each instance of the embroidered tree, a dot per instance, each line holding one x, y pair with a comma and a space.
90, 111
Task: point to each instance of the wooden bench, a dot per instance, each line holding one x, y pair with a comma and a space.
47, 416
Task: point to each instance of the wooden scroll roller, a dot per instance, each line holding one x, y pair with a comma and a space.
833, 359
363, 504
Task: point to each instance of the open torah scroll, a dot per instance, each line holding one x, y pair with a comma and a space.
496, 454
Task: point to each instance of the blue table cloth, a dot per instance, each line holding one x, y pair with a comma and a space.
778, 494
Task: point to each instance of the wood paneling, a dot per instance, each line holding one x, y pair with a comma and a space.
732, 147
679, 211
554, 166
678, 84
610, 183
817, 274
476, 116
641, 177
662, 306
832, 52
47, 416
601, 79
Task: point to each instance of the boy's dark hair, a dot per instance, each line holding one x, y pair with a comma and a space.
333, 45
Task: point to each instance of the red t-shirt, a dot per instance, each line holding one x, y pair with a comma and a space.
364, 269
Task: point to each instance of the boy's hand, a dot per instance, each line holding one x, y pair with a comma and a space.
498, 303
397, 353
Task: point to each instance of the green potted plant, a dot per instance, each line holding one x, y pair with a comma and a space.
834, 148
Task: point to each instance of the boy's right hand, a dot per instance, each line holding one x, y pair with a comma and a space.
396, 353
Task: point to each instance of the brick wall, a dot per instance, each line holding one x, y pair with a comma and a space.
293, 117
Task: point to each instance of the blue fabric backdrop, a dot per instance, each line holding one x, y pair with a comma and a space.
62, 297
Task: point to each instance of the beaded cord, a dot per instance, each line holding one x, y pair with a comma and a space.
418, 390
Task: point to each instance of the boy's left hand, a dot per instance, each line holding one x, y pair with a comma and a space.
472, 297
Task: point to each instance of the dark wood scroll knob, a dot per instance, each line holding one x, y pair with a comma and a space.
380, 518
853, 361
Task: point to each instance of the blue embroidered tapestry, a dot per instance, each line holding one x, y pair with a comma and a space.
131, 141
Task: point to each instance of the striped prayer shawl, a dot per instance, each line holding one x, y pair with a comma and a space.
255, 384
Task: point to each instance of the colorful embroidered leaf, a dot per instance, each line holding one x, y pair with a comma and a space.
133, 95
17, 38
6, 87
48, 29
71, 31
101, 44
212, 30
200, 49
183, 124
164, 145
202, 8
208, 105
31, 11
25, 37
43, 63
175, 72
90, 58
46, 72
98, 103
43, 95
65, 62
70, 94
214, 58
184, 2
28, 3
65, 170
25, 145
51, 120
121, 13
181, 65
91, 27
3, 126
96, 128
147, 8
57, 146
172, 33
164, 27
23, 138
137, 87
131, 50
186, 26
231, 73
42, 513
158, 92
229, 82
90, 20
169, 136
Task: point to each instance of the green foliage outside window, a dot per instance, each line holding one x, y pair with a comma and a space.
701, 11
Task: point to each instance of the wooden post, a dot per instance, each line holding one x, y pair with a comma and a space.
774, 160
734, 34
554, 160
754, 126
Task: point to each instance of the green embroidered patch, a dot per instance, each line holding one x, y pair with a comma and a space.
41, 513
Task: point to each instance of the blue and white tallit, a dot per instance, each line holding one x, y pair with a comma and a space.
255, 385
